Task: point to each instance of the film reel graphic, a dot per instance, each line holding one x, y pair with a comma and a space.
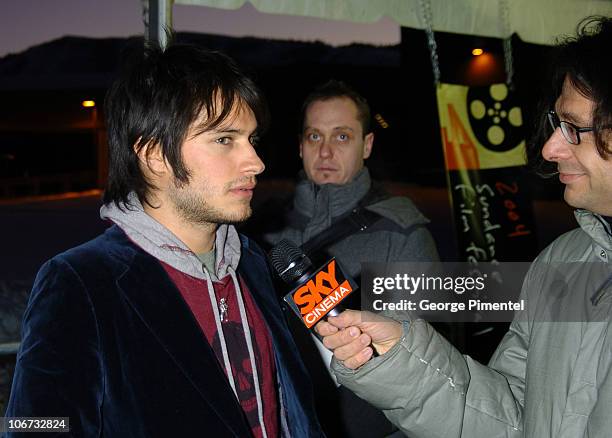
495, 117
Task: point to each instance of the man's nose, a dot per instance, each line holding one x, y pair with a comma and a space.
252, 164
326, 150
556, 148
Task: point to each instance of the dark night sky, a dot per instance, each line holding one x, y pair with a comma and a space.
24, 23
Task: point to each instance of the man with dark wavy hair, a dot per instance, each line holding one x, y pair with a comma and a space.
168, 324
551, 376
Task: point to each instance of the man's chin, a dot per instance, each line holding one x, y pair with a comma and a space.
573, 198
239, 218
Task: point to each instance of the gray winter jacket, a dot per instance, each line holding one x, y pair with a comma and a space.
551, 375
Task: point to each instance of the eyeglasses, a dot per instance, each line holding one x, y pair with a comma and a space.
570, 131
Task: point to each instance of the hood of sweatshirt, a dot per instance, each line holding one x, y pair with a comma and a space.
162, 244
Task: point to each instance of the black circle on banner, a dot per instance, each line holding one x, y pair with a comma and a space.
495, 117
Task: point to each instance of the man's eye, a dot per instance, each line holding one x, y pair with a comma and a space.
343, 137
254, 140
224, 140
314, 137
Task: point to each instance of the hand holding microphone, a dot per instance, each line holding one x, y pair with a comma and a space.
350, 334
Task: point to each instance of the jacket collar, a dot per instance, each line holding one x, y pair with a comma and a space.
596, 227
321, 204
313, 200
318, 206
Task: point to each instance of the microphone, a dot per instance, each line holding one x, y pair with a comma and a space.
315, 293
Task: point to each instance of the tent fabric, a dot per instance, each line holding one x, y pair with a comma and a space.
535, 21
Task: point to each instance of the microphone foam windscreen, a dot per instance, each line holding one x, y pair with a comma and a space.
289, 261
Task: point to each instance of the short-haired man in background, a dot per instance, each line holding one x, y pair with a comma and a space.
335, 140
551, 375
168, 324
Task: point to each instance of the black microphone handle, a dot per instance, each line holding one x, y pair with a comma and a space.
336, 311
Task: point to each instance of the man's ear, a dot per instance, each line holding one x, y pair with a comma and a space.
368, 142
301, 147
150, 157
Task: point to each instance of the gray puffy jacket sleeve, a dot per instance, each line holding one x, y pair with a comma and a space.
428, 389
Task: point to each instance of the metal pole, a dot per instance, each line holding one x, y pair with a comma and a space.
157, 16
504, 18
426, 16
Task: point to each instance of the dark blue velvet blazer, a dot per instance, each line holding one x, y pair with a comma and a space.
109, 342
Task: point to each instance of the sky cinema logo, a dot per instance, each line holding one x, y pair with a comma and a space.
322, 292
